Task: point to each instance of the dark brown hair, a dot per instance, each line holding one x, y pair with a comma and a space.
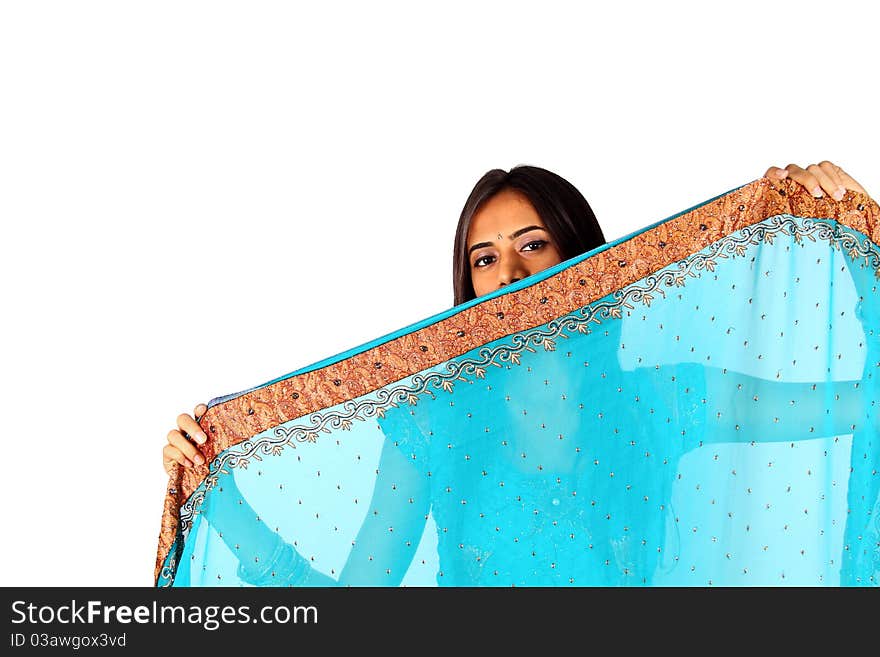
563, 209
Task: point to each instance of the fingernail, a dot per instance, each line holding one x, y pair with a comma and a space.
817, 192
199, 459
201, 438
839, 194
187, 463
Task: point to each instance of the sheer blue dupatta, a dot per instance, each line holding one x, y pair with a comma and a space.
693, 404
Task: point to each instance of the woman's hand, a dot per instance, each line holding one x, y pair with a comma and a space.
180, 448
819, 179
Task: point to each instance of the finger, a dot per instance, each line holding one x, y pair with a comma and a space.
188, 424
176, 439
776, 172
168, 465
830, 170
805, 178
170, 455
848, 181
828, 185
199, 411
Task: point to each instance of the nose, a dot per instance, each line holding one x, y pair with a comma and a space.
512, 271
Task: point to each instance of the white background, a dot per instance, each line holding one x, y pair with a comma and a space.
197, 197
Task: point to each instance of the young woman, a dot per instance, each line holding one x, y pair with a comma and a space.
515, 224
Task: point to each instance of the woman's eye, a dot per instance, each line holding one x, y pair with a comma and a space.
481, 259
539, 244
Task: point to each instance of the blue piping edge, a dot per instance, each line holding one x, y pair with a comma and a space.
433, 319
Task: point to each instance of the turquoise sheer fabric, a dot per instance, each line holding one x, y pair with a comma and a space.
714, 422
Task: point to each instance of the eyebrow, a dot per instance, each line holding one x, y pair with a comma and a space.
512, 236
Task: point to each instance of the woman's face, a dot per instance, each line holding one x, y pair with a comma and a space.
507, 241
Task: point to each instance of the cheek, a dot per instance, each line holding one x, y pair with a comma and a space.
551, 256
480, 283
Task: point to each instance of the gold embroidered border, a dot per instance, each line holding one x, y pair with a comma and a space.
238, 419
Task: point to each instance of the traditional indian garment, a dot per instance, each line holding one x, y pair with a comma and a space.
697, 403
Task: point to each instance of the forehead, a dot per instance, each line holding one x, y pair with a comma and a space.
503, 213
